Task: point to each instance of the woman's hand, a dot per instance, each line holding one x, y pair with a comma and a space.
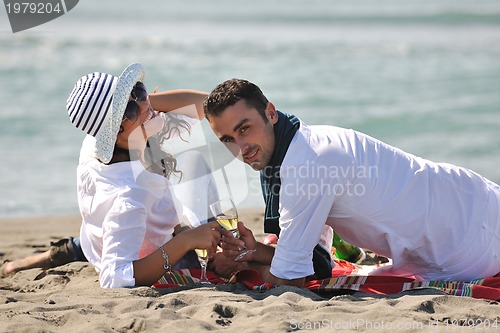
206, 236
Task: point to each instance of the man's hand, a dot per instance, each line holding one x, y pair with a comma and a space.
231, 246
224, 266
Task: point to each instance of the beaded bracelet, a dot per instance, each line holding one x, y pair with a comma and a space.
166, 265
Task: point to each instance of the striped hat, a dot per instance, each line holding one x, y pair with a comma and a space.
97, 104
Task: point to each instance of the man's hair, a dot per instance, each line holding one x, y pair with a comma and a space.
230, 92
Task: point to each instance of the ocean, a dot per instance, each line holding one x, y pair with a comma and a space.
418, 74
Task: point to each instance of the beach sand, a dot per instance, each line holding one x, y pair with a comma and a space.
69, 299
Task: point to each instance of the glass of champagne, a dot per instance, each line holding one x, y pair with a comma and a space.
203, 258
226, 215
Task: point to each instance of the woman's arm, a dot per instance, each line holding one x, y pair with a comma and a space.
183, 101
149, 269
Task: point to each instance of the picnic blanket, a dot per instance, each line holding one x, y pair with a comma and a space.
347, 277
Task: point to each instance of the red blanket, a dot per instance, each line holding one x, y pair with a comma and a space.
345, 277
488, 288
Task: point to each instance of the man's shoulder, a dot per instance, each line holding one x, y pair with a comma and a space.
324, 131
329, 130
317, 138
322, 145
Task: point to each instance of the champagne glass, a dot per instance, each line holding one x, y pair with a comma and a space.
226, 215
203, 258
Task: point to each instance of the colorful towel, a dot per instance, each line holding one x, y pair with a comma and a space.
347, 276
185, 277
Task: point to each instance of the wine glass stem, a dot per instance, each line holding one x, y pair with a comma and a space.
203, 278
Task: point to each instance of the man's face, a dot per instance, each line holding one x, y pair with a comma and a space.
245, 133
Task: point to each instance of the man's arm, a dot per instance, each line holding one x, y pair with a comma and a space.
181, 101
231, 246
226, 266
267, 276
262, 264
260, 260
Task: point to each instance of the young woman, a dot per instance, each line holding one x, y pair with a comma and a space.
129, 214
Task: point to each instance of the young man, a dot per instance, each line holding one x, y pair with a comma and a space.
435, 220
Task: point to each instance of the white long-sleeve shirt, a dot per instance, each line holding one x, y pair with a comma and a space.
435, 220
127, 213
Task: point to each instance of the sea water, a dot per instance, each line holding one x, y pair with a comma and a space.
418, 74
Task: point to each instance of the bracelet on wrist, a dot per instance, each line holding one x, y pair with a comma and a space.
166, 265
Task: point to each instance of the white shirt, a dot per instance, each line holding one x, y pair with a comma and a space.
426, 216
127, 213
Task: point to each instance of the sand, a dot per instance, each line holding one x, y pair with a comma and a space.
68, 299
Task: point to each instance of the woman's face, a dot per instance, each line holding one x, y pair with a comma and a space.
135, 133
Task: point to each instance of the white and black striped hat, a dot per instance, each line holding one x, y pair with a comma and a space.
97, 104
